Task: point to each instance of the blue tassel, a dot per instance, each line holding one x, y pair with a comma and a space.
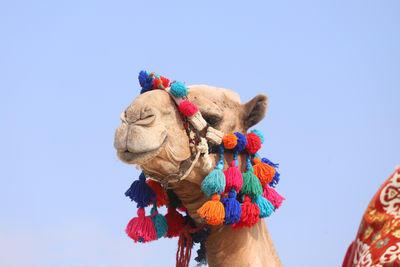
145, 81
178, 89
241, 142
275, 180
232, 208
214, 183
160, 223
270, 163
266, 207
140, 192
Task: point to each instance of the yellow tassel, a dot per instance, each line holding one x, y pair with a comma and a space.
213, 211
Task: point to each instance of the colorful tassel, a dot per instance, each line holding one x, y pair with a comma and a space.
229, 140
253, 143
274, 197
260, 134
146, 82
233, 178
214, 183
178, 89
161, 195
250, 214
187, 108
241, 142
175, 222
263, 171
276, 178
140, 192
266, 208
232, 207
212, 211
251, 184
160, 223
141, 228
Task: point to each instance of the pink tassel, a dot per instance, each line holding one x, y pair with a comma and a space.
274, 197
141, 228
233, 178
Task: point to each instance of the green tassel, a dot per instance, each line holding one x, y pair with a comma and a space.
251, 184
160, 223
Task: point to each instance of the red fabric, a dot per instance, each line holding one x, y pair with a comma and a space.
378, 239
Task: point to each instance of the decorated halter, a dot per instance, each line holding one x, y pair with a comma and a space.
236, 199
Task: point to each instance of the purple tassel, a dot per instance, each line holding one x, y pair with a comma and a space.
141, 193
232, 208
145, 81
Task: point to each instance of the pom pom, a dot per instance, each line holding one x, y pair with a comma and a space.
250, 214
165, 81
274, 197
232, 207
174, 200
266, 208
157, 83
160, 223
178, 89
253, 143
233, 178
241, 142
175, 222
260, 134
263, 171
140, 192
229, 140
212, 211
214, 183
187, 108
161, 194
146, 82
141, 228
251, 184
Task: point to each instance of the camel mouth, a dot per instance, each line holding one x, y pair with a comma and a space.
140, 158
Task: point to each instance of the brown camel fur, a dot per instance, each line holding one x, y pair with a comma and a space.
152, 136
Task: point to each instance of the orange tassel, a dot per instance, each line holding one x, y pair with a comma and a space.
161, 195
263, 171
213, 211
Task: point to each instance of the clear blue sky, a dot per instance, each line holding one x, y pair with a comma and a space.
331, 70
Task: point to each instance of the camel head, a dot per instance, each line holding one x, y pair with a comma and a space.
152, 134
172, 129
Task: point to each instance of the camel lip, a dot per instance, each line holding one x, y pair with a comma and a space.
141, 158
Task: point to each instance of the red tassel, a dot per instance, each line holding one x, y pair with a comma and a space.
141, 228
233, 178
175, 222
274, 197
250, 214
161, 195
165, 82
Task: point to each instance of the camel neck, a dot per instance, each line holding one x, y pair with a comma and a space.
252, 246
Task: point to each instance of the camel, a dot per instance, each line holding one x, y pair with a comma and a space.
152, 136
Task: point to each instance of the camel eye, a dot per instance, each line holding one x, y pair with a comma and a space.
212, 120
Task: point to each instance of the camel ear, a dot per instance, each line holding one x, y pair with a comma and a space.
254, 110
